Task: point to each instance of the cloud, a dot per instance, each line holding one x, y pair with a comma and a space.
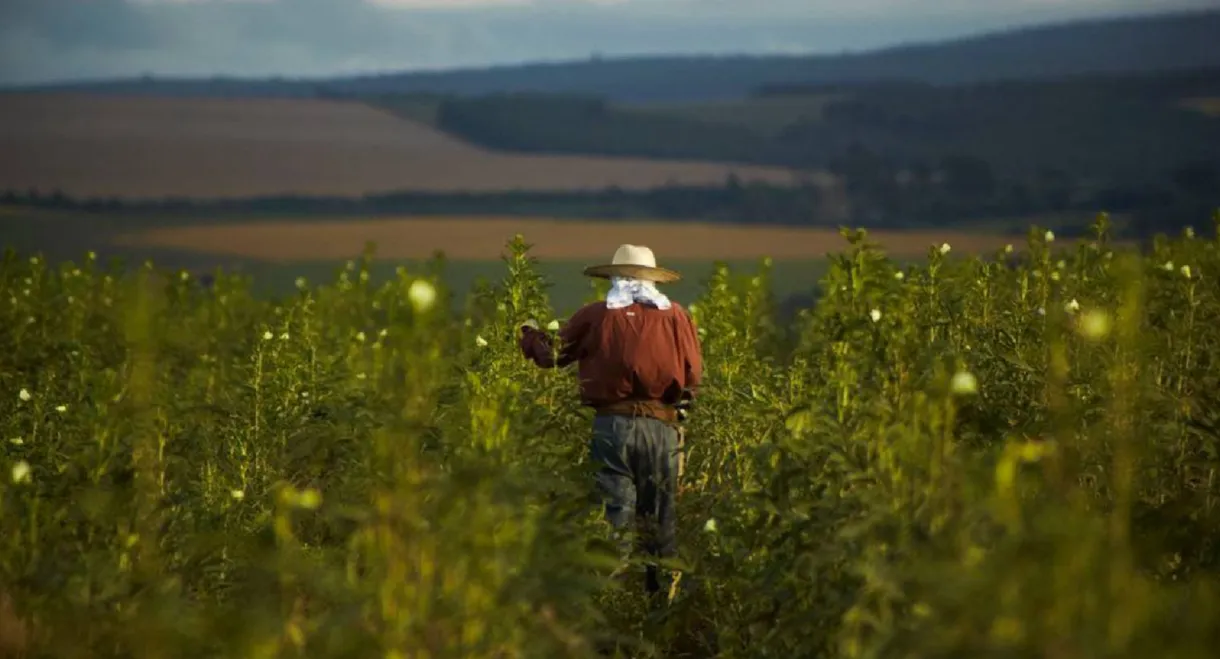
44, 40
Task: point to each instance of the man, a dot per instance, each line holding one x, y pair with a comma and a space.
639, 359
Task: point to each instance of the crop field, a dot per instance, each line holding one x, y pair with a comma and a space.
478, 238
275, 252
97, 146
794, 282
473, 247
968, 456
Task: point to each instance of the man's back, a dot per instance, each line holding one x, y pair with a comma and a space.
639, 359
638, 352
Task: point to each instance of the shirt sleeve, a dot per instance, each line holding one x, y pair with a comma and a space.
536, 345
690, 350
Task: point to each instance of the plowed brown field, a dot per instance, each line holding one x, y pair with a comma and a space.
209, 148
484, 238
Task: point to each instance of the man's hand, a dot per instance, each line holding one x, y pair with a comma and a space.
684, 404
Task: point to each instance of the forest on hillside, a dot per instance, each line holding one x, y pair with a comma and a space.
912, 153
1110, 129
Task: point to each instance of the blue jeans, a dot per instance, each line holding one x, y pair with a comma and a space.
637, 477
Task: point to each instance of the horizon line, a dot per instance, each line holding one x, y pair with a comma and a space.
899, 46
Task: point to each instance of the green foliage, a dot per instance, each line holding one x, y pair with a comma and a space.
549, 123
766, 115
975, 136
1011, 456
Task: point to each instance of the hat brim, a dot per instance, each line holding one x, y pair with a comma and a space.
658, 275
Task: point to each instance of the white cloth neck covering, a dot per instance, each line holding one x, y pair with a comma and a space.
624, 292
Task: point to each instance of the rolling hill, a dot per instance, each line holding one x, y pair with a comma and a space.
1079, 124
1130, 44
1114, 114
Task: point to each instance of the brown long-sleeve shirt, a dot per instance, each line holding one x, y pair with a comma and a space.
636, 353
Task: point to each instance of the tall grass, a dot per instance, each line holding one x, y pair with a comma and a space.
1010, 456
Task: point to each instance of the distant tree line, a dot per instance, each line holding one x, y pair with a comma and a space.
731, 202
959, 191
960, 188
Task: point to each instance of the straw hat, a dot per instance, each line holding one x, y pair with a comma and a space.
636, 262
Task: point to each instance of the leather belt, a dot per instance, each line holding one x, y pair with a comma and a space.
647, 408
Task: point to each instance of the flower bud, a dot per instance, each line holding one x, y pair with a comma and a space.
964, 384
422, 295
1094, 325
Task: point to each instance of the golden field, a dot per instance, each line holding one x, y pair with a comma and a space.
483, 238
86, 145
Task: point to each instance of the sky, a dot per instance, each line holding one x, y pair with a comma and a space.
68, 40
